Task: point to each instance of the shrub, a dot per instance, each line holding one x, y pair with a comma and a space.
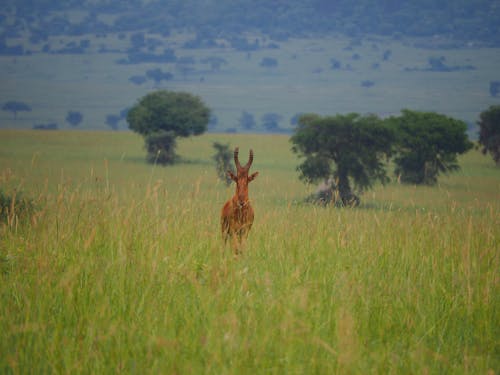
222, 159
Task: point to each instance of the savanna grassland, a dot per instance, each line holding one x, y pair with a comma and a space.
304, 80
121, 267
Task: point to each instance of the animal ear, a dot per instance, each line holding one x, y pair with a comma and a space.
252, 176
232, 175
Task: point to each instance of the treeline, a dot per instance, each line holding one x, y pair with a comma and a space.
460, 20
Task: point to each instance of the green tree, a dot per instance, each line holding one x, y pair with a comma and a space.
15, 107
74, 118
489, 132
427, 144
347, 152
162, 116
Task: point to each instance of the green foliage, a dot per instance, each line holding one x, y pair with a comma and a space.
427, 144
343, 148
162, 116
179, 112
222, 159
489, 132
74, 118
160, 147
14, 107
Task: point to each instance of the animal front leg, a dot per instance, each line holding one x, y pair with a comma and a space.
235, 242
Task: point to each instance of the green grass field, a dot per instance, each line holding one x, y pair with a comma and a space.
122, 267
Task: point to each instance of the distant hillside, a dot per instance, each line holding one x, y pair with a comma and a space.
462, 21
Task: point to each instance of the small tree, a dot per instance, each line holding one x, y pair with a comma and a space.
269, 62
346, 152
15, 107
427, 144
270, 122
489, 132
112, 121
74, 118
223, 164
162, 116
247, 121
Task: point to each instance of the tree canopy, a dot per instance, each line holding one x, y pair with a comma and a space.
179, 112
343, 150
489, 132
14, 107
162, 116
427, 144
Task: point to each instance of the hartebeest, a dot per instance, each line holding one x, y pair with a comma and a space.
237, 213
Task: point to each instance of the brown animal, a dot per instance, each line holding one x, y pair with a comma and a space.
237, 214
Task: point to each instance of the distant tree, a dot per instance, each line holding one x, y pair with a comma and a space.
137, 40
185, 65
215, 62
489, 132
49, 126
294, 121
269, 62
158, 75
437, 64
270, 122
16, 107
367, 83
222, 159
212, 122
138, 80
495, 88
427, 144
247, 121
345, 152
335, 64
162, 116
74, 118
112, 121
123, 113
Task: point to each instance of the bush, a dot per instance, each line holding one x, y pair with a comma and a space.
222, 159
329, 194
269, 62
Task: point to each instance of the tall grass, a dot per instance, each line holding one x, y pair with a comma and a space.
122, 268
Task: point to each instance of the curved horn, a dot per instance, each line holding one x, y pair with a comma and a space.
236, 160
250, 161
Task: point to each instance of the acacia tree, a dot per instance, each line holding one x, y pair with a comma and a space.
162, 116
345, 151
427, 144
15, 107
489, 132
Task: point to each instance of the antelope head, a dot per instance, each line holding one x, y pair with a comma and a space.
242, 178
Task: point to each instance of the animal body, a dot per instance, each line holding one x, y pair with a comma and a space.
237, 214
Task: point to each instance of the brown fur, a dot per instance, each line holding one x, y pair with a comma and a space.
237, 214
